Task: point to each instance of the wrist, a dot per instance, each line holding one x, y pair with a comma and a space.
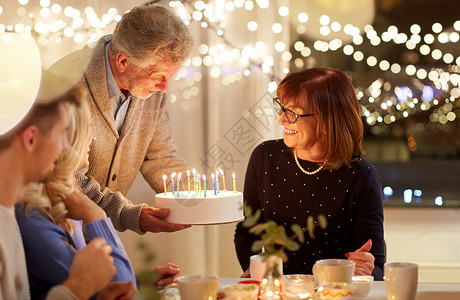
94, 215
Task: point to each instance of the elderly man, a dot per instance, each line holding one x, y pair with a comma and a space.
27, 154
125, 78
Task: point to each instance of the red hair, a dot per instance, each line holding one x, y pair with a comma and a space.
329, 94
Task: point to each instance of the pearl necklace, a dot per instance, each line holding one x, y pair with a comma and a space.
302, 169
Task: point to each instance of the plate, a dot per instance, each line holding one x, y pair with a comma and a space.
210, 223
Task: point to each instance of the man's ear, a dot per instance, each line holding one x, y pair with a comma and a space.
121, 62
29, 137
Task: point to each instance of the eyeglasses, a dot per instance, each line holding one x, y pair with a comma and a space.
290, 115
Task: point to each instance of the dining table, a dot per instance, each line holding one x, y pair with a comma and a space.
425, 290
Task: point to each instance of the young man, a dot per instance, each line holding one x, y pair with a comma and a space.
27, 154
125, 78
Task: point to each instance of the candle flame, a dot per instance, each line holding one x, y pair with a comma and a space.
212, 175
179, 176
173, 174
188, 173
221, 172
204, 177
194, 172
233, 175
164, 177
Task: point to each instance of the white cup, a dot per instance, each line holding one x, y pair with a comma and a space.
400, 280
362, 285
195, 287
258, 266
333, 270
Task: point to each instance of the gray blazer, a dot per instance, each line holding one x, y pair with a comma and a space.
145, 143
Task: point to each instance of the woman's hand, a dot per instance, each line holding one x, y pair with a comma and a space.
246, 274
80, 207
364, 261
167, 273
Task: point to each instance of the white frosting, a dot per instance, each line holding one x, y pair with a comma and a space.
190, 208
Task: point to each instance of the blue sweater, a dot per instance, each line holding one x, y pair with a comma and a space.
50, 250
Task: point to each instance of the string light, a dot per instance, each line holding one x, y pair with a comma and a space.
379, 103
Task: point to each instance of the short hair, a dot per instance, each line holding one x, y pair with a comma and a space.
150, 34
330, 95
43, 114
47, 197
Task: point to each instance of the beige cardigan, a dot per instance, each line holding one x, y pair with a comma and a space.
145, 143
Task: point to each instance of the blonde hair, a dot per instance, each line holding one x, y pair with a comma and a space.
47, 197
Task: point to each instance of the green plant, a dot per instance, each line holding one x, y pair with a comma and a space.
146, 278
273, 237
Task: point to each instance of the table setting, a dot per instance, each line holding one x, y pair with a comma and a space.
425, 290
332, 279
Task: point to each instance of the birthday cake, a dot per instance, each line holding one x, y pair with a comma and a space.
195, 209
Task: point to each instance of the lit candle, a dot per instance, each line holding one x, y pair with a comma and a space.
194, 180
172, 181
164, 181
178, 181
234, 183
217, 181
204, 182
213, 183
223, 178
198, 177
188, 180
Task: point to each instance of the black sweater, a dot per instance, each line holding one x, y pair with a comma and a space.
351, 200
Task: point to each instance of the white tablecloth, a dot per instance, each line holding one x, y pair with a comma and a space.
425, 290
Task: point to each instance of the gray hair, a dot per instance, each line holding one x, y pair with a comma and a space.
152, 33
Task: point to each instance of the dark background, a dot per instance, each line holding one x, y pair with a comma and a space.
433, 165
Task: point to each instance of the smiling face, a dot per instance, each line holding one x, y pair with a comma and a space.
334, 134
302, 135
142, 83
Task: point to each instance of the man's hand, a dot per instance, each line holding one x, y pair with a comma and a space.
150, 220
118, 290
167, 274
91, 270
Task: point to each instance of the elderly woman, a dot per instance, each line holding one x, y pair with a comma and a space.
53, 215
317, 169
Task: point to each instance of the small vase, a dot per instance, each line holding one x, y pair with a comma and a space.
271, 286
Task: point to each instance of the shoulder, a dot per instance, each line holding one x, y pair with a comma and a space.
7, 220
74, 65
269, 146
269, 152
364, 166
365, 172
32, 223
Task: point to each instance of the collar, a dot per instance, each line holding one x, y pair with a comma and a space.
112, 86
